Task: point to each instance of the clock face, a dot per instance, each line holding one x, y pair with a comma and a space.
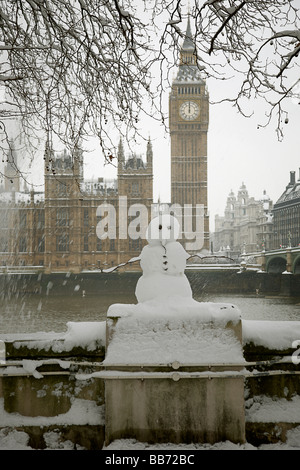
189, 110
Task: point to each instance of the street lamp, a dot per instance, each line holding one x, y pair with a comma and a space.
289, 239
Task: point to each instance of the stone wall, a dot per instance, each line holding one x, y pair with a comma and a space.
41, 394
202, 281
51, 386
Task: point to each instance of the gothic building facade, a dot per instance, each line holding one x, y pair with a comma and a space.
59, 228
77, 225
247, 224
286, 231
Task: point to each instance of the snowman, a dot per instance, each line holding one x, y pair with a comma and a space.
163, 262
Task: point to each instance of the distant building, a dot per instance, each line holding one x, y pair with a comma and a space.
287, 215
57, 229
246, 224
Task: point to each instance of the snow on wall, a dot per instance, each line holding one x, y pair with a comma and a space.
81, 412
271, 334
188, 344
177, 308
174, 329
87, 335
263, 409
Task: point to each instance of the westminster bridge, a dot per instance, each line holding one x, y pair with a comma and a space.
283, 260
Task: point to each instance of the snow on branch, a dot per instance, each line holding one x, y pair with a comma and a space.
82, 68
77, 68
7, 78
231, 12
257, 43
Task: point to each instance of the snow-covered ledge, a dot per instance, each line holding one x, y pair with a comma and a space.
76, 413
166, 330
80, 338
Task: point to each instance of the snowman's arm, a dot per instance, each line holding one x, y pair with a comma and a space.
209, 256
113, 268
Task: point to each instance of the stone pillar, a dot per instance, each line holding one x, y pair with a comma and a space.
289, 262
160, 388
263, 261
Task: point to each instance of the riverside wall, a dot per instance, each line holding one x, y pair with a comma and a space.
50, 385
202, 280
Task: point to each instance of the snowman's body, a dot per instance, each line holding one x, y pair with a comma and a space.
163, 262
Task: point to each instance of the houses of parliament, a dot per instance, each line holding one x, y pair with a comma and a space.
56, 229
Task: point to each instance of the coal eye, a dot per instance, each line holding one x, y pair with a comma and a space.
160, 227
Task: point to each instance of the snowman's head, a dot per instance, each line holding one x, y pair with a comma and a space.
162, 229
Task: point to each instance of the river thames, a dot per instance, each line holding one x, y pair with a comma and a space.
31, 313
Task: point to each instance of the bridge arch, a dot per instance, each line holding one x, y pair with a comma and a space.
276, 264
296, 265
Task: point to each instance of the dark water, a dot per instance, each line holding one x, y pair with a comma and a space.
30, 313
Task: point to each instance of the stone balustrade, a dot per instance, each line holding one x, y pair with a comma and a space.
55, 383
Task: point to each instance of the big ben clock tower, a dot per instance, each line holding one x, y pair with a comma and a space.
189, 114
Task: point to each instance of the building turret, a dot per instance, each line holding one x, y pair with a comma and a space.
121, 156
149, 155
188, 50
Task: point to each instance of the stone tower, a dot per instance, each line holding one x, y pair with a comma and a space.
189, 115
63, 200
135, 175
135, 183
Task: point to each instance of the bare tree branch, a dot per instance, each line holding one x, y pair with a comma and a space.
7, 78
82, 68
231, 14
